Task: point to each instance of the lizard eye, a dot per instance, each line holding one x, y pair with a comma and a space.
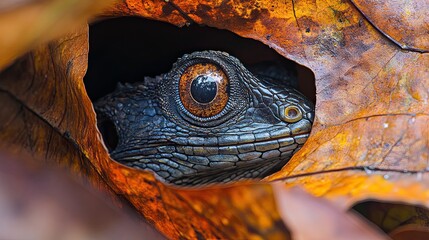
204, 89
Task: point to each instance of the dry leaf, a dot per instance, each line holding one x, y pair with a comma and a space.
404, 22
370, 138
40, 202
25, 24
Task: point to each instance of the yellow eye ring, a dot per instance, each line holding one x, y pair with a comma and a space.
292, 114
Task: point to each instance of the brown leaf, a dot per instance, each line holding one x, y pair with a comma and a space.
45, 110
40, 202
410, 232
404, 22
25, 24
370, 138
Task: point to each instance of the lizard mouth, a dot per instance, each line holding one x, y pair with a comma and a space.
249, 160
282, 144
203, 164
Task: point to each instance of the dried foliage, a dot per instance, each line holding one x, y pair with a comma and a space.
370, 138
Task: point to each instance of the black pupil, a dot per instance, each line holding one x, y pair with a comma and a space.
292, 113
204, 89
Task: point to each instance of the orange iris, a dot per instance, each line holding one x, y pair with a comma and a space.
204, 89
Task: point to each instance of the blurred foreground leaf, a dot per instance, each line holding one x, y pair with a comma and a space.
370, 137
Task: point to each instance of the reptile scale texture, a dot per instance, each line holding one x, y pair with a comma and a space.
208, 120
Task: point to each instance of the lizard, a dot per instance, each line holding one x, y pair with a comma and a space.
208, 120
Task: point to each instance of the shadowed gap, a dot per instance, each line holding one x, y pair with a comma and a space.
399, 220
128, 48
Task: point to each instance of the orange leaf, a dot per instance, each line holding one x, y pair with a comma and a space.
27, 23
370, 138
404, 22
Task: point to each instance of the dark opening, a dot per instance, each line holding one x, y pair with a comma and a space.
127, 49
398, 220
109, 133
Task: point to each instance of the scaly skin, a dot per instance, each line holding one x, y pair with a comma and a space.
250, 138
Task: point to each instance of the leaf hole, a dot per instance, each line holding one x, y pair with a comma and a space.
110, 135
398, 220
128, 49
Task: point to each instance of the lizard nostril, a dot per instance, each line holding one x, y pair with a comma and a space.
292, 114
109, 134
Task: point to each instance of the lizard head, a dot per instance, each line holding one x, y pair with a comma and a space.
207, 120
